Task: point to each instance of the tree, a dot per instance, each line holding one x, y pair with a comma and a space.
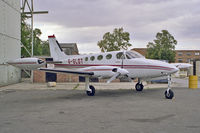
45, 48
114, 41
163, 47
40, 47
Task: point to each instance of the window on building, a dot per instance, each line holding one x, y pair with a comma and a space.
109, 56
100, 57
92, 58
180, 60
188, 60
197, 53
188, 54
180, 53
86, 58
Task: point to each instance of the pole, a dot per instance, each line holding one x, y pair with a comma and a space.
32, 29
32, 37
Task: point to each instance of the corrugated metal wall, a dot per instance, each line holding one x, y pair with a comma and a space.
10, 28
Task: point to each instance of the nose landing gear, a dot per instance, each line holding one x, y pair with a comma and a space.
169, 94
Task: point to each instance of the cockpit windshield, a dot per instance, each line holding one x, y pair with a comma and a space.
133, 54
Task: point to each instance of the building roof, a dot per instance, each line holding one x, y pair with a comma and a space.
70, 48
181, 55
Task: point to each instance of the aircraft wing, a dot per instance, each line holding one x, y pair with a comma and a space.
182, 65
60, 70
108, 72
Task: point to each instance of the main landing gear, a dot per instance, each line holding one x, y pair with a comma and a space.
169, 94
139, 86
90, 90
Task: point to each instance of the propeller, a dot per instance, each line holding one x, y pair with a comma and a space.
122, 57
118, 72
113, 77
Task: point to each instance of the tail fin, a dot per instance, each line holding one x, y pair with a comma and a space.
55, 49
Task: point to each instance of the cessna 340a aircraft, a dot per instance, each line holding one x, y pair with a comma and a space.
108, 65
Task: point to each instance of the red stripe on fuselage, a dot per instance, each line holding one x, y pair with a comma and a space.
98, 70
124, 66
23, 63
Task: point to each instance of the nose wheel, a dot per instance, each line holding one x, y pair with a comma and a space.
169, 94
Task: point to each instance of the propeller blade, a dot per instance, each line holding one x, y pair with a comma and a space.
113, 77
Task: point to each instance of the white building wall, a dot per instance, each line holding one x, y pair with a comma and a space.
10, 27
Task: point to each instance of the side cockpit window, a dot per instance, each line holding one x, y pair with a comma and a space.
133, 54
128, 56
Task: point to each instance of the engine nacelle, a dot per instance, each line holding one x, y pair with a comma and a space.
105, 72
27, 63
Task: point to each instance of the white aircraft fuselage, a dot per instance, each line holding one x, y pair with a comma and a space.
138, 67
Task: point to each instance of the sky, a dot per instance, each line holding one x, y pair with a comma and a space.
86, 21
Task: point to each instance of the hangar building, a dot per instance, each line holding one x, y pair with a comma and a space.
10, 47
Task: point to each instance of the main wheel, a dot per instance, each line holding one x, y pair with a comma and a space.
92, 92
169, 95
139, 87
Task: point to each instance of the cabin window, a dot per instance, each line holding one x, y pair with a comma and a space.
120, 55
100, 57
86, 58
109, 56
92, 58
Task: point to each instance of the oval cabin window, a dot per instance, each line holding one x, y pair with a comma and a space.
109, 56
100, 57
92, 58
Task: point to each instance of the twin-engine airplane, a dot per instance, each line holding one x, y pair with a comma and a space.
108, 65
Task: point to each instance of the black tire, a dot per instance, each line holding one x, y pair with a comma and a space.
169, 95
139, 87
92, 92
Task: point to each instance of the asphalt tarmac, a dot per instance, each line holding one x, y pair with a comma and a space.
110, 111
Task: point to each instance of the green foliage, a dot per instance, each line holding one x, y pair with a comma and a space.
40, 47
163, 47
114, 41
45, 48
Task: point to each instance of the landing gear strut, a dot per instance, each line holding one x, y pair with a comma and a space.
90, 90
139, 86
169, 94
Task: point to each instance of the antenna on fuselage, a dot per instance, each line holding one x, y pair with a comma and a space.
123, 57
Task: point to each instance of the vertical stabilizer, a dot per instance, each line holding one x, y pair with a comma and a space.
55, 49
